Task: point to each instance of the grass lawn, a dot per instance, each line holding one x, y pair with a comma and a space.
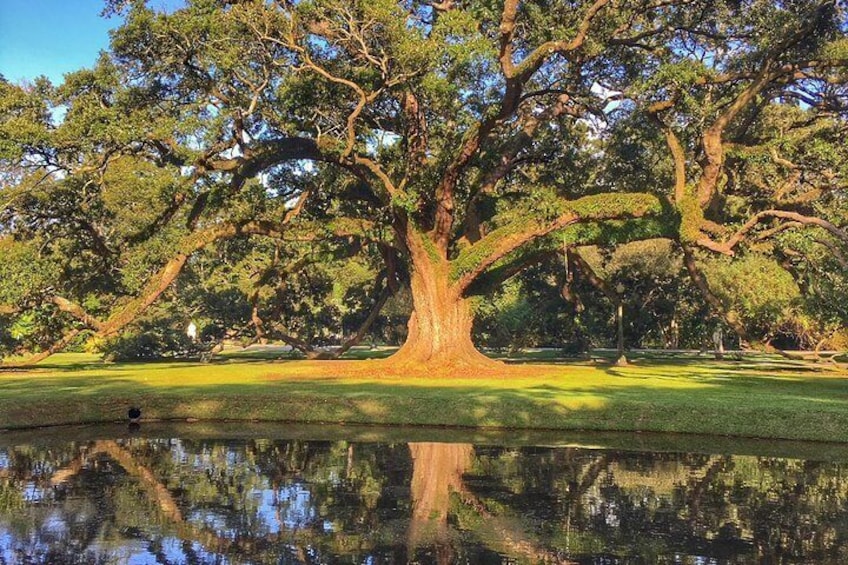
759, 396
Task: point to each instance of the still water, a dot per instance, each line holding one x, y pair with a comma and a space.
158, 497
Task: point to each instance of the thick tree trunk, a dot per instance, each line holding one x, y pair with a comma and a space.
440, 326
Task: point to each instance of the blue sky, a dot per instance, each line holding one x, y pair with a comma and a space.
50, 37
53, 37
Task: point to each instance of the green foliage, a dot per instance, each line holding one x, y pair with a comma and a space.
691, 216
26, 270
144, 345
135, 192
614, 206
504, 320
147, 258
836, 50
662, 308
614, 232
23, 327
349, 277
755, 286
159, 334
25, 123
401, 118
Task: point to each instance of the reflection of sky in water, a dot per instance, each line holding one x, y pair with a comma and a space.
306, 510
143, 552
36, 543
267, 509
289, 508
295, 506
213, 520
7, 541
131, 552
55, 524
34, 493
173, 550
55, 532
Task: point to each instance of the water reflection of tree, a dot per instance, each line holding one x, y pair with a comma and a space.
648, 505
329, 501
204, 494
438, 489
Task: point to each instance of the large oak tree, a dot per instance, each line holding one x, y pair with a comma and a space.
469, 136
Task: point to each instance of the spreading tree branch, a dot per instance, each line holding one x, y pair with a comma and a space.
475, 259
727, 247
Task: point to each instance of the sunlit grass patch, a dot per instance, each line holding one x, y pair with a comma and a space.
679, 395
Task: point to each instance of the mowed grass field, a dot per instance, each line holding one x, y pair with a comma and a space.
757, 396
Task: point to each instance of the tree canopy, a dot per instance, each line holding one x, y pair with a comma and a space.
448, 146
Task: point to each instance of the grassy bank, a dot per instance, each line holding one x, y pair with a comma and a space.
756, 397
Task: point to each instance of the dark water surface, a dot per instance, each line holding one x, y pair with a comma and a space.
359, 495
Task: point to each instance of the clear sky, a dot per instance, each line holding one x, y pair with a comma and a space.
50, 37
53, 37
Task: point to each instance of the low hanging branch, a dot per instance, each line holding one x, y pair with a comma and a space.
386, 282
258, 323
156, 285
592, 276
294, 341
574, 235
77, 312
57, 346
384, 294
716, 305
163, 278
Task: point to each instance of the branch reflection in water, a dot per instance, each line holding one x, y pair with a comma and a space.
300, 501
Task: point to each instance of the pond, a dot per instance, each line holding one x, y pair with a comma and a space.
197, 494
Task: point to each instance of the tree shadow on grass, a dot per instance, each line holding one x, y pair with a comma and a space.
689, 402
156, 364
637, 358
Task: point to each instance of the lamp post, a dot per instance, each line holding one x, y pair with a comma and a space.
619, 320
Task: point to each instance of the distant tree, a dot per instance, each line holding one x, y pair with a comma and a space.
661, 307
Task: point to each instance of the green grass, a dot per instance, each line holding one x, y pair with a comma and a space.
759, 396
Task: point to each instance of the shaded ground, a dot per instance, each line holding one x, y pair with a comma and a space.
760, 396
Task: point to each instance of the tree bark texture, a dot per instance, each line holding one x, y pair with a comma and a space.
442, 319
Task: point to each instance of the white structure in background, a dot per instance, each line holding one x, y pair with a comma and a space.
191, 331
718, 343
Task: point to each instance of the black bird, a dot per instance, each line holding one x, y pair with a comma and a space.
134, 414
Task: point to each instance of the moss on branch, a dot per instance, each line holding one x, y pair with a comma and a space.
430, 248
611, 232
614, 205
691, 216
473, 260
